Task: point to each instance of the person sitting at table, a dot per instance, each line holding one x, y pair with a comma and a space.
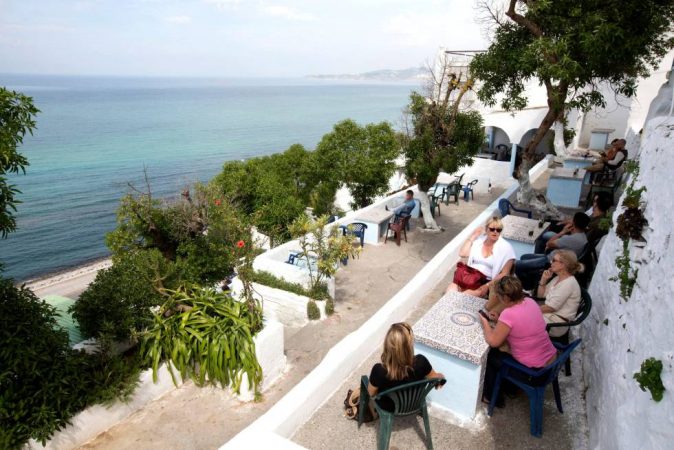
489, 254
572, 237
561, 293
521, 325
406, 208
612, 159
601, 204
399, 364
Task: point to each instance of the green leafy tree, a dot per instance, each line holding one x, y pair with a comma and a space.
17, 117
573, 48
440, 136
271, 190
117, 303
196, 232
363, 158
43, 382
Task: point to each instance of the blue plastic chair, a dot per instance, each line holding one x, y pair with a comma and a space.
468, 190
356, 229
505, 206
408, 399
536, 393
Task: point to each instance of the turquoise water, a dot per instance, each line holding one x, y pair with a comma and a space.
95, 135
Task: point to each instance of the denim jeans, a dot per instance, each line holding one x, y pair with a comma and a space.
542, 240
529, 268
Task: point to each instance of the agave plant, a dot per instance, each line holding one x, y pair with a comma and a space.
207, 336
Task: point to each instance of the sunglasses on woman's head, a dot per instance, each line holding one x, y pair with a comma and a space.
495, 230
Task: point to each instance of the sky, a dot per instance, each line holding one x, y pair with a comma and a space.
229, 38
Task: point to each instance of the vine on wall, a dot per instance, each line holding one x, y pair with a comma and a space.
630, 225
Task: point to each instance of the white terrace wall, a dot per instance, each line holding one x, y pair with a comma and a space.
298, 405
619, 335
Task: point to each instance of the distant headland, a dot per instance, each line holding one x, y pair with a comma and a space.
409, 74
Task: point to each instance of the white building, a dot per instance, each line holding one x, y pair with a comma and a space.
594, 129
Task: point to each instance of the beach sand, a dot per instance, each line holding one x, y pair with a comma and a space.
70, 283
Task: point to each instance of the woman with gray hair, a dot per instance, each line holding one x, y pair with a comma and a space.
561, 293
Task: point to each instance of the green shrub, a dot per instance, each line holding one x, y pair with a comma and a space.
197, 233
269, 279
313, 313
207, 336
118, 302
650, 378
43, 383
329, 306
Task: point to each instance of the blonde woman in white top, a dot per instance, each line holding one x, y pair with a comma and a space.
562, 293
488, 253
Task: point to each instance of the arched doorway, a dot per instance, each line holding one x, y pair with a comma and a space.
497, 142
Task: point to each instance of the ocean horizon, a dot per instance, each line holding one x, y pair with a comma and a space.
97, 135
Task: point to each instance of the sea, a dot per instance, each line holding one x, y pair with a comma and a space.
97, 136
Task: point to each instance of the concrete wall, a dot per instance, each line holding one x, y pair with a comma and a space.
298, 405
619, 414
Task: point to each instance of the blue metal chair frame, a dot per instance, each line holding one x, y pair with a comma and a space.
584, 308
536, 393
505, 206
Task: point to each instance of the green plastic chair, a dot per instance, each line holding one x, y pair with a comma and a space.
435, 204
453, 190
409, 398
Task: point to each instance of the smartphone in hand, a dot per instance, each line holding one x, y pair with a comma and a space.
484, 314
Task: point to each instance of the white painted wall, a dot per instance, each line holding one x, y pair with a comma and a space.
281, 306
619, 414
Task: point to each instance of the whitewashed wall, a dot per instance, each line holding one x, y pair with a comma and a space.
620, 415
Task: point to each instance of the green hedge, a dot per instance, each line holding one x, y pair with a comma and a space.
43, 382
273, 281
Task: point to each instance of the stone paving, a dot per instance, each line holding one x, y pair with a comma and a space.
195, 418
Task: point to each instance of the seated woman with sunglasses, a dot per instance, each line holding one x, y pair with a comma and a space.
398, 364
562, 293
489, 254
522, 326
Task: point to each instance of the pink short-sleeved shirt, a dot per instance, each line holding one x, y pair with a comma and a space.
529, 342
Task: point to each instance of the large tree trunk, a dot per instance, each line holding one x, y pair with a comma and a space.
526, 195
560, 146
429, 222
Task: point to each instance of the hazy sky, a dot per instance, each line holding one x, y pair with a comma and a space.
229, 37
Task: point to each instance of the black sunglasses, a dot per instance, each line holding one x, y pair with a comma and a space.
497, 230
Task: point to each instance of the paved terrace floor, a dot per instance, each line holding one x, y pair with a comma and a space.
507, 428
205, 418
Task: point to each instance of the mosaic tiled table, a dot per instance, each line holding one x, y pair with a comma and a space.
450, 336
376, 220
516, 230
565, 185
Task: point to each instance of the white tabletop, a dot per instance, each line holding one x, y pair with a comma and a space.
570, 174
374, 215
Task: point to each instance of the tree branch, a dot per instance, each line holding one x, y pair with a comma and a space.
522, 20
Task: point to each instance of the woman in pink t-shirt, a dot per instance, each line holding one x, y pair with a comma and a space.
522, 326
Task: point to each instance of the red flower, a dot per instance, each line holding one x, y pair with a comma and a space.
218, 202
240, 244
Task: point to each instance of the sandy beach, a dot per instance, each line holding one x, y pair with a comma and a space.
70, 283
